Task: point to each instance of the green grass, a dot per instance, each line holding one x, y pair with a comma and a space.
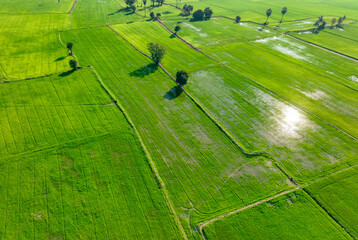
200, 166
30, 6
293, 216
342, 41
178, 55
288, 68
94, 13
338, 195
30, 46
218, 31
94, 189
47, 111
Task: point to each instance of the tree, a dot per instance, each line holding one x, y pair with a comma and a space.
157, 51
69, 47
129, 2
333, 22
145, 9
152, 15
316, 24
133, 8
198, 15
159, 15
182, 77
188, 8
320, 19
208, 13
237, 19
153, 1
73, 64
268, 14
283, 12
177, 29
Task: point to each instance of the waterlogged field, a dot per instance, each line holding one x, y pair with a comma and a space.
218, 31
338, 195
30, 45
304, 145
284, 66
292, 216
342, 41
117, 150
47, 111
203, 170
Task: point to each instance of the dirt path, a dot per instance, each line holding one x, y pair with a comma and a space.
326, 49
244, 208
73, 7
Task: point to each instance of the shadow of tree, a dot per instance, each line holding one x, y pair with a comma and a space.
173, 93
60, 59
172, 36
65, 74
119, 11
167, 12
144, 71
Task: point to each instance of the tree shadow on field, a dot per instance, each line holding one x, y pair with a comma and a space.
172, 36
65, 74
173, 93
119, 11
60, 59
144, 71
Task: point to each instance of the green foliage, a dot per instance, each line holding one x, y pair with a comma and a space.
198, 15
69, 47
177, 29
152, 15
208, 13
237, 19
157, 51
182, 77
73, 64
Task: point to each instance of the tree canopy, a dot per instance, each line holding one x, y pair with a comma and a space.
157, 51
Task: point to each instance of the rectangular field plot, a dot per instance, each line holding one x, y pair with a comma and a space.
178, 55
343, 41
218, 31
292, 216
96, 12
200, 165
47, 111
260, 120
30, 46
98, 189
31, 6
287, 67
338, 195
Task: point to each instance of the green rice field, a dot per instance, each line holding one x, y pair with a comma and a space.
99, 141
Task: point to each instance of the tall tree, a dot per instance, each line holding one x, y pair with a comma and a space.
268, 14
145, 9
177, 29
152, 15
283, 12
182, 77
69, 46
157, 51
333, 22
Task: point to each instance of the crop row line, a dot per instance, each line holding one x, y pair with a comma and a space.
151, 162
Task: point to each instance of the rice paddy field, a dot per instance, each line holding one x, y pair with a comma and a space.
261, 143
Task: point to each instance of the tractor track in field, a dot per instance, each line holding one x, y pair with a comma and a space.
73, 7
324, 48
266, 88
244, 208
